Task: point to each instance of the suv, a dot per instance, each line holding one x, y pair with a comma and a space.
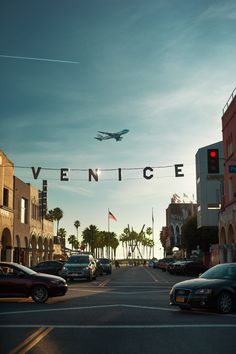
79, 266
106, 265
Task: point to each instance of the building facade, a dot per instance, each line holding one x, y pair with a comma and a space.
6, 208
227, 219
176, 216
25, 236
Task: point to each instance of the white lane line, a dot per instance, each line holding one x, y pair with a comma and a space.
152, 276
111, 292
78, 308
167, 326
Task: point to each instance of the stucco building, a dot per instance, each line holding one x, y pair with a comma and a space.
6, 207
227, 219
25, 236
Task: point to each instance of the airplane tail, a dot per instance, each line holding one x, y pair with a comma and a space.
99, 137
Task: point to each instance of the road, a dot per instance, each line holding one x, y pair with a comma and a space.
126, 312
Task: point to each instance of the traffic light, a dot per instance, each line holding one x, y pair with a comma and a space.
213, 161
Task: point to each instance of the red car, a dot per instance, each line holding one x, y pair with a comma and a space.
17, 280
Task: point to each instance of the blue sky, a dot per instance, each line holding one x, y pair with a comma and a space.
162, 69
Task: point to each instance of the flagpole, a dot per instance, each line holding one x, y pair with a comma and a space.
108, 221
152, 233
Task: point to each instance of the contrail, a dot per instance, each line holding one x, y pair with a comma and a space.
39, 59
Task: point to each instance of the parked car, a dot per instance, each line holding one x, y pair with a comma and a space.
17, 280
106, 265
216, 288
163, 263
49, 267
152, 262
79, 266
193, 268
176, 267
99, 268
186, 267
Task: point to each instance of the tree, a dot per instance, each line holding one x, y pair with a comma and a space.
77, 225
55, 214
62, 234
89, 237
71, 240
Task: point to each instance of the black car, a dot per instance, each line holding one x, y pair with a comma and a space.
106, 265
186, 267
17, 280
49, 267
193, 268
99, 268
216, 288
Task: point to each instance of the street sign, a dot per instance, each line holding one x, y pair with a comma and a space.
232, 168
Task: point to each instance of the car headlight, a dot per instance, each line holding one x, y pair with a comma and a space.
203, 291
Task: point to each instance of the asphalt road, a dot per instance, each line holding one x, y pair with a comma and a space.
126, 312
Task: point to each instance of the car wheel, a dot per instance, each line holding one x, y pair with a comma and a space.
224, 302
39, 294
89, 278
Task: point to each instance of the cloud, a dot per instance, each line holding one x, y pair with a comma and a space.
226, 10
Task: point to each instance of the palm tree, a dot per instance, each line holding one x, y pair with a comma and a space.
62, 234
71, 240
89, 237
56, 214
77, 225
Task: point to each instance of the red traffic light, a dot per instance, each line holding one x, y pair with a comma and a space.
213, 161
213, 153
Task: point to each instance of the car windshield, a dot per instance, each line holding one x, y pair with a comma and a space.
26, 269
225, 271
78, 259
104, 261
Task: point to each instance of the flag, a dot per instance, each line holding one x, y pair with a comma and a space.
111, 216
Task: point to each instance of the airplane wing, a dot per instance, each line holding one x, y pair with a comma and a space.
109, 134
101, 137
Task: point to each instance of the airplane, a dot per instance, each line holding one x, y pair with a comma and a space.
116, 136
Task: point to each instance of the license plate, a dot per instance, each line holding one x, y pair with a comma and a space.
74, 274
179, 299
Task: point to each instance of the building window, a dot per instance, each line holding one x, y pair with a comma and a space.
5, 197
24, 204
229, 145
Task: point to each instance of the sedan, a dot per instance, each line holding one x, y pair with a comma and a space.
106, 265
216, 288
49, 267
17, 280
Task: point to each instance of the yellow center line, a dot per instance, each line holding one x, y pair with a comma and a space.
31, 341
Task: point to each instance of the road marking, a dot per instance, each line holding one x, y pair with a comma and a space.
105, 282
151, 275
31, 341
167, 326
78, 308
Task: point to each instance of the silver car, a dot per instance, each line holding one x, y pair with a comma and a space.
79, 266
